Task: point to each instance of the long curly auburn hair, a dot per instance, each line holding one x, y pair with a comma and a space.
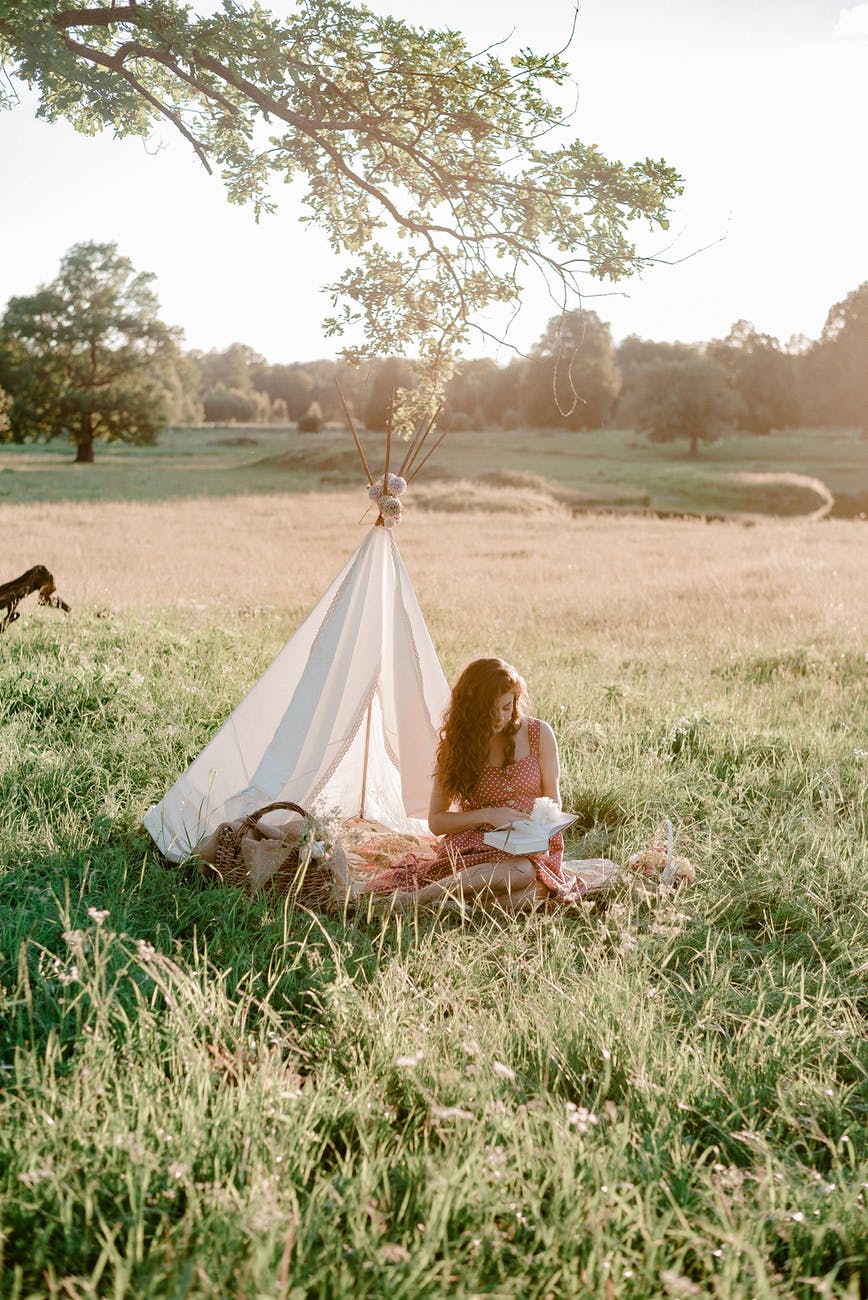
469, 722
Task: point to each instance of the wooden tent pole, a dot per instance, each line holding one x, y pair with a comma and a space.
365, 763
388, 441
427, 457
416, 446
353, 432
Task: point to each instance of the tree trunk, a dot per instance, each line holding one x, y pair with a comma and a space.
694, 447
84, 442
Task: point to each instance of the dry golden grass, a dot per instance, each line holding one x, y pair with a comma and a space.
671, 589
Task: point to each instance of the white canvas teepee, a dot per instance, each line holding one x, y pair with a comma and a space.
347, 715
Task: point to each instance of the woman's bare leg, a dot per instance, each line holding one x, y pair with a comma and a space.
502, 882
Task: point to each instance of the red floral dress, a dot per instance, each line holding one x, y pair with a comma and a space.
515, 786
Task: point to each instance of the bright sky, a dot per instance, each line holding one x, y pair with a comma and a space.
761, 104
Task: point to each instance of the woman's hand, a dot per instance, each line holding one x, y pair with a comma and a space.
497, 817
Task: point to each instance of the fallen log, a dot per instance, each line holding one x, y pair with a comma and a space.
12, 593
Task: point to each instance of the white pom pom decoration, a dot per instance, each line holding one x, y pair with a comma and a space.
390, 507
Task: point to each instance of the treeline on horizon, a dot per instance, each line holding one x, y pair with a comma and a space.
575, 377
87, 358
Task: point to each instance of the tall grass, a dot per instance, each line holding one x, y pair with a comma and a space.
205, 1096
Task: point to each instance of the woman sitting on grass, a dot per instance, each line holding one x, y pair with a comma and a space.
492, 763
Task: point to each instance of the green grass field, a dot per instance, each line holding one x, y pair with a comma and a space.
203, 1096
610, 468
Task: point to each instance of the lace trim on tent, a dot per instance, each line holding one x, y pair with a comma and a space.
344, 750
326, 618
390, 751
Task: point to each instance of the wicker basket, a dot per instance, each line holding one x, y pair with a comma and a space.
311, 883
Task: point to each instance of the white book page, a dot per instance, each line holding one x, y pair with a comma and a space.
526, 836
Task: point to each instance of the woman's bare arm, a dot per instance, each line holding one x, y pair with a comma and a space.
549, 763
442, 820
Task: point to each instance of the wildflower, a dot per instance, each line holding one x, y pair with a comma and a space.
75, 938
65, 974
409, 1062
177, 1169
145, 951
451, 1112
393, 1253
33, 1177
579, 1118
97, 914
502, 1071
545, 810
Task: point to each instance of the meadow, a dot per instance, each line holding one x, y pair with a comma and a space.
205, 1096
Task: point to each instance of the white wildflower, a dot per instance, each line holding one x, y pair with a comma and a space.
65, 974
502, 1071
410, 1062
145, 951
97, 914
580, 1118
75, 938
545, 810
451, 1112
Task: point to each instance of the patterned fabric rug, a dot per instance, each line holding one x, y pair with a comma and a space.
371, 847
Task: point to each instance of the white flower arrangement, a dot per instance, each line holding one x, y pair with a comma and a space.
545, 810
651, 863
317, 839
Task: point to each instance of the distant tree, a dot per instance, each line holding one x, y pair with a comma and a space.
839, 362
228, 406
311, 421
182, 384
228, 367
436, 172
291, 384
634, 351
762, 374
690, 398
86, 356
631, 354
279, 414
384, 380
571, 380
474, 390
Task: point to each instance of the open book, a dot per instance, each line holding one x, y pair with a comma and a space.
526, 836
